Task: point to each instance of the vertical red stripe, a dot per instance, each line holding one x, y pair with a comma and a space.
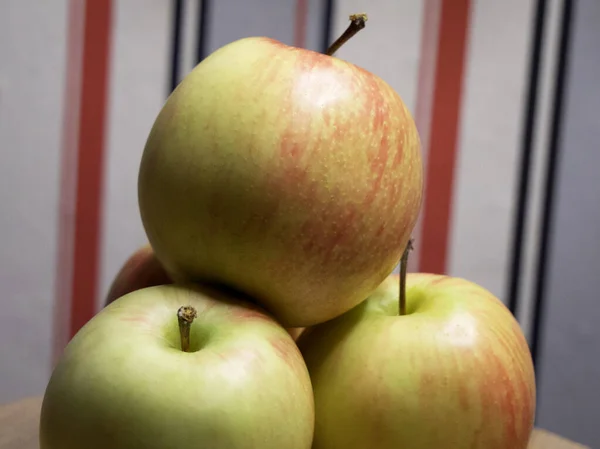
445, 118
300, 23
94, 90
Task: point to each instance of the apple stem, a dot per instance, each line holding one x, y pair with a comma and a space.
357, 23
185, 317
403, 266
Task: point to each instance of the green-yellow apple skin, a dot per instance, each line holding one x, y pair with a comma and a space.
290, 175
124, 382
455, 372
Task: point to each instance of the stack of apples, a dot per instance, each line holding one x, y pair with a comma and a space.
278, 189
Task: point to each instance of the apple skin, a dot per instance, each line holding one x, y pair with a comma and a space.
123, 381
141, 270
290, 175
455, 372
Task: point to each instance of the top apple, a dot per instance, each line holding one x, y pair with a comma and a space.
290, 175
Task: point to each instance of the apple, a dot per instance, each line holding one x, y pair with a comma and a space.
233, 378
287, 174
454, 372
142, 269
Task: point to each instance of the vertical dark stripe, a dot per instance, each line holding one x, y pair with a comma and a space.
551, 178
202, 42
527, 143
90, 161
176, 43
327, 24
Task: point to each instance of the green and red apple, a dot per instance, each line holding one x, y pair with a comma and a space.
124, 381
287, 174
454, 372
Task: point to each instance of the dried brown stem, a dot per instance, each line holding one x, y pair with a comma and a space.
185, 317
357, 23
403, 266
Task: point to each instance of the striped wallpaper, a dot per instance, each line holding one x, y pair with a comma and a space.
484, 80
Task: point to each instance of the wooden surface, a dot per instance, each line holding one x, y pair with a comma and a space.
19, 424
19, 429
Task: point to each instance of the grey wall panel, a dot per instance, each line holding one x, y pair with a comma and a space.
33, 60
315, 25
569, 370
230, 20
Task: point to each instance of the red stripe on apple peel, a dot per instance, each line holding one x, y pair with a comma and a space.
508, 393
312, 60
290, 148
248, 313
505, 387
510, 389
329, 228
507, 390
287, 350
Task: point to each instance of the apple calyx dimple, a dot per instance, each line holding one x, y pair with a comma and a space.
357, 23
185, 317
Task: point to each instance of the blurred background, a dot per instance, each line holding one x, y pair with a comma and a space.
505, 95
